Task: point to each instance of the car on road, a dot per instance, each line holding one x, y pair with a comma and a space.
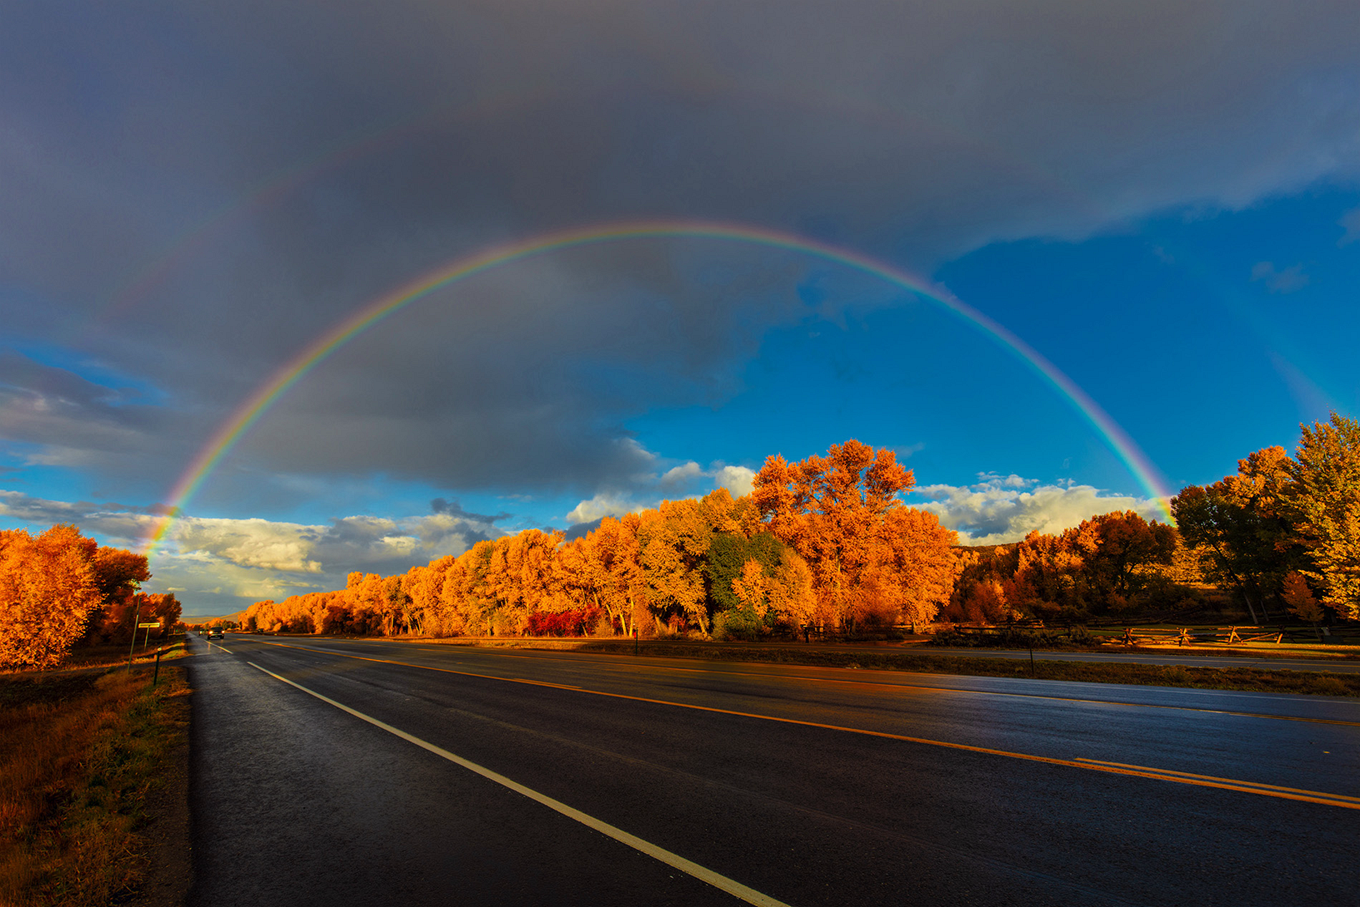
215, 633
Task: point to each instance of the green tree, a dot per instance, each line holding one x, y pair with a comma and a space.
1246, 526
728, 553
1325, 499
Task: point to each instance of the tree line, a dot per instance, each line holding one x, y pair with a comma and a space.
1285, 531
1281, 535
60, 590
822, 542
826, 543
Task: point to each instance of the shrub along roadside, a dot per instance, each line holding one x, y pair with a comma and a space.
79, 755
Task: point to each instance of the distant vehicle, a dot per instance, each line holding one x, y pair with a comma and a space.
215, 633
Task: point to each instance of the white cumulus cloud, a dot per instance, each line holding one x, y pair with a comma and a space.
647, 491
250, 543
603, 505
1006, 509
739, 480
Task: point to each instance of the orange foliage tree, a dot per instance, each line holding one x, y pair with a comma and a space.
674, 540
124, 613
854, 553
871, 559
1094, 567
48, 587
604, 569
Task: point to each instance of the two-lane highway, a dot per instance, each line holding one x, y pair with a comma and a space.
387, 772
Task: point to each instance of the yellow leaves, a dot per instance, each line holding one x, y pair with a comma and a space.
1326, 499
791, 592
1300, 598
675, 539
48, 587
753, 587
869, 554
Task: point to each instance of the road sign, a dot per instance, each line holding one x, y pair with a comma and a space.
149, 626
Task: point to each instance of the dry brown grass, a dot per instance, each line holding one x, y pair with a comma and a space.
78, 753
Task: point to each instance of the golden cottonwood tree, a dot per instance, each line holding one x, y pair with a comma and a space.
48, 587
842, 515
613, 563
919, 567
674, 540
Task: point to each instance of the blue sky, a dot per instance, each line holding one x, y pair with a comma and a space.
1161, 199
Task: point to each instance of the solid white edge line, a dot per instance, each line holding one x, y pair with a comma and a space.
703, 874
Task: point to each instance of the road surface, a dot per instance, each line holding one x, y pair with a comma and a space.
337, 772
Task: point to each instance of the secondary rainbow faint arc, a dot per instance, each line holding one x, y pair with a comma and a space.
263, 398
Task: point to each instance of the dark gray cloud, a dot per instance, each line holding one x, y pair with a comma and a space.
118, 524
193, 192
52, 416
454, 509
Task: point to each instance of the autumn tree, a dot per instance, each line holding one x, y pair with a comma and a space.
728, 554
842, 515
921, 567
607, 568
1046, 580
520, 578
985, 590
124, 613
1105, 563
1301, 601
1245, 526
1112, 546
421, 585
759, 584
48, 587
674, 541
468, 590
1325, 500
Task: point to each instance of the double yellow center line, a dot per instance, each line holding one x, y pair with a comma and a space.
1095, 765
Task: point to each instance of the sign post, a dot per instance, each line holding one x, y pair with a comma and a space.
136, 615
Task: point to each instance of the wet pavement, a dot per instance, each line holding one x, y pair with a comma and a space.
796, 782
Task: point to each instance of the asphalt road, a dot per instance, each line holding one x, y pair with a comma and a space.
449, 775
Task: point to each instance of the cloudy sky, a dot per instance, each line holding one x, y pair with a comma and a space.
1133, 231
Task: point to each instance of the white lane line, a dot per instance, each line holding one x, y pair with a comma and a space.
703, 874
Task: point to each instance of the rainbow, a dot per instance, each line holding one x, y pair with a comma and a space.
250, 412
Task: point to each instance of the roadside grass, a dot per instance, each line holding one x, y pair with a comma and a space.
79, 752
1319, 683
110, 656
